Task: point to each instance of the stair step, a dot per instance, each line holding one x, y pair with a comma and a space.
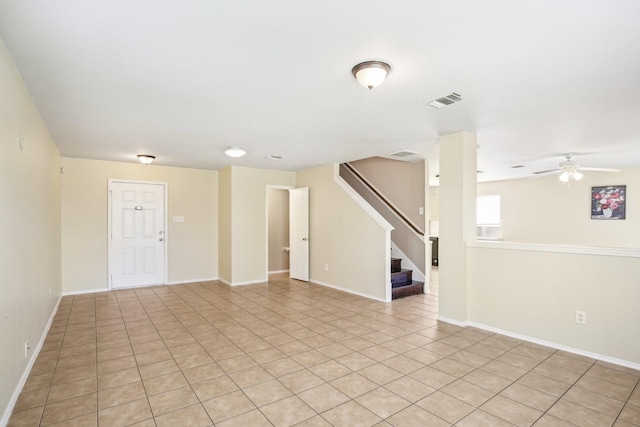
415, 288
401, 278
396, 264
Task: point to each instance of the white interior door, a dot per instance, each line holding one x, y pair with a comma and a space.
299, 233
137, 235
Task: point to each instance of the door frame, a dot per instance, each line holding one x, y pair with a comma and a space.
165, 186
266, 221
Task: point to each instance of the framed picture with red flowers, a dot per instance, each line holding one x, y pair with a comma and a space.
609, 202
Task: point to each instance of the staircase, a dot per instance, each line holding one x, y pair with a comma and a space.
402, 284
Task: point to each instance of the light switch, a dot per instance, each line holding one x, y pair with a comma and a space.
178, 219
421, 211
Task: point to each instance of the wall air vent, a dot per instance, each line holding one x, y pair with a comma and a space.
402, 153
443, 101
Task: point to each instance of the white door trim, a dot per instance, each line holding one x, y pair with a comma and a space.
165, 186
266, 223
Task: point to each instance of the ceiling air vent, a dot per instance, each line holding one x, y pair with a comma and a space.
443, 101
403, 153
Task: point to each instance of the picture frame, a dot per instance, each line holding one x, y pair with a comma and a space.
609, 202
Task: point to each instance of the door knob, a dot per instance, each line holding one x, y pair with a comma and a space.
305, 239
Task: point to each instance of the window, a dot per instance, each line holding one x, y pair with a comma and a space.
488, 220
488, 210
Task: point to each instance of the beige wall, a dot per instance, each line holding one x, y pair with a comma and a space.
191, 246
224, 225
30, 228
249, 221
434, 203
544, 210
407, 188
410, 246
343, 237
536, 294
278, 228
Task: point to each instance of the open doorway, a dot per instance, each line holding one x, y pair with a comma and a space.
277, 230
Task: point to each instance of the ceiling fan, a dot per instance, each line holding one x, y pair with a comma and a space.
570, 170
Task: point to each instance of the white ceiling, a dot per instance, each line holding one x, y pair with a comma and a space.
185, 80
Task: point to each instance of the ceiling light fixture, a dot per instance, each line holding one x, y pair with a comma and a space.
146, 159
570, 175
371, 73
235, 152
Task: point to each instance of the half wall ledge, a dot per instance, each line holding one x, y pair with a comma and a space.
567, 249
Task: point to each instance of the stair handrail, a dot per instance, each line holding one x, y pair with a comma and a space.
390, 205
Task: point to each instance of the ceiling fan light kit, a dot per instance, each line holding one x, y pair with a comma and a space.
570, 170
570, 175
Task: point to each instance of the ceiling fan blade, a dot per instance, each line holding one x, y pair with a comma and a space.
599, 169
547, 172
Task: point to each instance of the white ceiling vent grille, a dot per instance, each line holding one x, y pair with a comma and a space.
403, 153
443, 101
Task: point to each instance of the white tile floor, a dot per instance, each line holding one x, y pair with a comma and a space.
289, 353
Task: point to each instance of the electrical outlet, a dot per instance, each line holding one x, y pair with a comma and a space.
581, 317
326, 267
26, 349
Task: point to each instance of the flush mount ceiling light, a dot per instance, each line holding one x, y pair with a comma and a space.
371, 73
235, 152
146, 159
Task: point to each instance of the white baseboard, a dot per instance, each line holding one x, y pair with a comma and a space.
609, 359
452, 321
249, 282
86, 291
349, 291
182, 282
23, 379
178, 282
278, 271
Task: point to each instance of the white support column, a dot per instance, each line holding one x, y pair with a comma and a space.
458, 186
427, 243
